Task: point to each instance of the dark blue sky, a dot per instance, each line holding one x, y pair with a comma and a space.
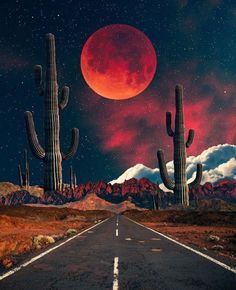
195, 43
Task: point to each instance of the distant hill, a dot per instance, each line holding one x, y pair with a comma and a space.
8, 187
93, 202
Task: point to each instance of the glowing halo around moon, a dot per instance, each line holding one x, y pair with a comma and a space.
118, 61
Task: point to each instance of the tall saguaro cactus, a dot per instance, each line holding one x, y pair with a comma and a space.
179, 185
51, 154
24, 176
73, 179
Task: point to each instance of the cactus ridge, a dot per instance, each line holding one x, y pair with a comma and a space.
51, 154
179, 185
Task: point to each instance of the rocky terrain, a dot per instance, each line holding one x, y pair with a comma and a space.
224, 190
142, 193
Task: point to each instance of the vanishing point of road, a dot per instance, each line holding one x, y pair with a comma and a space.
119, 254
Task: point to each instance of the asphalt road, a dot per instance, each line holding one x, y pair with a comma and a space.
119, 254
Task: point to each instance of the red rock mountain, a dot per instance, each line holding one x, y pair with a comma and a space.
225, 190
143, 193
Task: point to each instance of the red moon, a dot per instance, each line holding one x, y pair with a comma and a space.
118, 61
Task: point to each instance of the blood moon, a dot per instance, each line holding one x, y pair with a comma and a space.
118, 61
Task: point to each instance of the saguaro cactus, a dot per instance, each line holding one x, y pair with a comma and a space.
179, 185
71, 177
51, 155
73, 181
24, 176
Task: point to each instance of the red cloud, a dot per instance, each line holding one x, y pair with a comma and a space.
134, 129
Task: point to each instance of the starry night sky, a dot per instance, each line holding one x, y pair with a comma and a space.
195, 43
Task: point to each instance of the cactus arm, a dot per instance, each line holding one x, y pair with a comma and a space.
198, 177
168, 124
64, 97
163, 171
190, 138
74, 145
38, 79
36, 148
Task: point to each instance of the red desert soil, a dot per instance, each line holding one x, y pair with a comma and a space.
20, 225
212, 231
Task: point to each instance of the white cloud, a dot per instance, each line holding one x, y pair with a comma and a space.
219, 162
224, 170
138, 171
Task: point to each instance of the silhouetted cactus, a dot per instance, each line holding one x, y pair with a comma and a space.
24, 176
20, 176
180, 186
71, 177
73, 181
52, 156
158, 197
154, 202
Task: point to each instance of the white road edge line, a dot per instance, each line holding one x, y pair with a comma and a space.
117, 233
13, 271
115, 274
227, 267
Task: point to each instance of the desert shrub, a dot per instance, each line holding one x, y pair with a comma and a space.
212, 238
71, 232
41, 240
50, 240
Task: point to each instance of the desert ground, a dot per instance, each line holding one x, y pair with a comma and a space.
210, 232
27, 228
31, 228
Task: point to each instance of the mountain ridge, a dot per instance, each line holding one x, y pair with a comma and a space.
142, 193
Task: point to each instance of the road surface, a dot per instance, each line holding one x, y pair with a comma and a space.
119, 254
